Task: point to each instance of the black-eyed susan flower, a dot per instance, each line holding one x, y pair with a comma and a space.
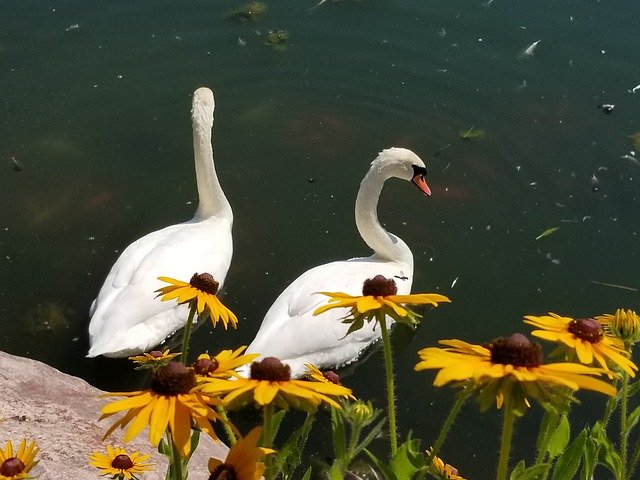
243, 460
201, 292
379, 296
171, 403
16, 465
119, 464
224, 364
315, 374
443, 471
508, 371
624, 324
153, 359
584, 336
270, 383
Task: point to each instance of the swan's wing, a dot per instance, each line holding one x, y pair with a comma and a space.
292, 333
127, 297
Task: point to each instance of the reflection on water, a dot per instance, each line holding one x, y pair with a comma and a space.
95, 110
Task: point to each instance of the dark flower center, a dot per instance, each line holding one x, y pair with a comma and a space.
11, 466
223, 472
588, 329
204, 366
332, 377
123, 462
205, 283
156, 353
515, 350
270, 369
379, 286
173, 378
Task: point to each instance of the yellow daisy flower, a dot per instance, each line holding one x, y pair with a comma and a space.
14, 466
271, 383
153, 359
170, 403
120, 465
586, 337
201, 290
379, 294
444, 471
224, 364
624, 324
508, 371
314, 373
243, 460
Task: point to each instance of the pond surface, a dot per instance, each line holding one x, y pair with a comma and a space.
96, 152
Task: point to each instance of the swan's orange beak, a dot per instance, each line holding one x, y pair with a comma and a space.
419, 182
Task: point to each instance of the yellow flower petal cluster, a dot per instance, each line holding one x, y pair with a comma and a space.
584, 336
153, 359
224, 364
444, 471
160, 408
119, 464
15, 466
201, 290
624, 324
276, 387
506, 382
243, 460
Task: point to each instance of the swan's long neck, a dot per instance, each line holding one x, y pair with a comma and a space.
385, 245
212, 200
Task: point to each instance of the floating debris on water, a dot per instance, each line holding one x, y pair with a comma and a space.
635, 138
623, 287
278, 39
528, 52
16, 165
251, 12
547, 232
75, 26
631, 156
472, 134
635, 89
595, 183
607, 108
455, 280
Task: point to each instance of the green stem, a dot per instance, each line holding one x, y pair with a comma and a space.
187, 332
444, 431
505, 443
267, 440
388, 365
231, 435
174, 469
624, 434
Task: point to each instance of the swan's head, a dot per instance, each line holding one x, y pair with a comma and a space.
202, 107
402, 163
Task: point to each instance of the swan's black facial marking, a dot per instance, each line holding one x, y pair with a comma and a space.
418, 179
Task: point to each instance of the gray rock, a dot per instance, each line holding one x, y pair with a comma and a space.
60, 412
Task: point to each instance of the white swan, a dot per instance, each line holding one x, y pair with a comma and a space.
126, 318
289, 330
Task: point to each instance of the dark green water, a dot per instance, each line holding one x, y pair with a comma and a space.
94, 105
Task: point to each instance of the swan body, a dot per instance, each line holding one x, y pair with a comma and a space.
291, 332
126, 316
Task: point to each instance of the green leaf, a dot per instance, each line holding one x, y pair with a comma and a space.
375, 431
338, 434
568, 463
559, 438
520, 472
547, 232
386, 471
633, 388
407, 460
289, 456
608, 455
589, 455
307, 475
632, 419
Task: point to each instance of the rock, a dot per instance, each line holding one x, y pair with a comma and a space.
60, 412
